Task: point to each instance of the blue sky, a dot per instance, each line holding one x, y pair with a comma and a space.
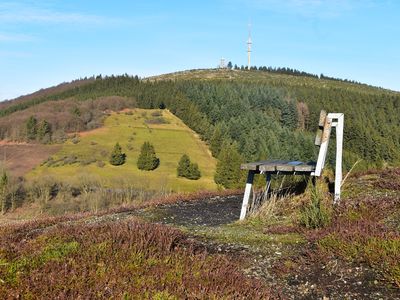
43, 43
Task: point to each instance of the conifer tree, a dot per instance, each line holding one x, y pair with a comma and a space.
183, 166
44, 131
228, 172
188, 169
3, 192
117, 158
193, 172
147, 159
31, 128
216, 140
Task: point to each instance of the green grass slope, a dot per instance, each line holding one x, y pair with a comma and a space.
131, 128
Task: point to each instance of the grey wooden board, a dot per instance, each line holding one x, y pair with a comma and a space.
309, 167
287, 166
254, 166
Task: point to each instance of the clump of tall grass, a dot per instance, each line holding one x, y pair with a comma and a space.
316, 211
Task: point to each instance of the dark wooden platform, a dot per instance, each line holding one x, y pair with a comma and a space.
281, 166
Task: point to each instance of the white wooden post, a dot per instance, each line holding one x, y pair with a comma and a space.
246, 197
339, 125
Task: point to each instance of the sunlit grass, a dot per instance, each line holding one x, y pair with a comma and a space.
171, 140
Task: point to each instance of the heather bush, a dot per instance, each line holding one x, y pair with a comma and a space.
115, 260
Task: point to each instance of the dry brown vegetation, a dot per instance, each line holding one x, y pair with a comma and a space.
19, 159
46, 92
64, 116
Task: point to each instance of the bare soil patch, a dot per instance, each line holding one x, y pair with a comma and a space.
21, 158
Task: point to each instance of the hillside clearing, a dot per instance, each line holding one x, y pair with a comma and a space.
169, 135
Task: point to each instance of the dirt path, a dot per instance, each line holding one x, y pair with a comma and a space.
208, 212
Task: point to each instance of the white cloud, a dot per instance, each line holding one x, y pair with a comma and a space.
28, 13
6, 37
308, 8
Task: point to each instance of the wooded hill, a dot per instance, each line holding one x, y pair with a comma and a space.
260, 114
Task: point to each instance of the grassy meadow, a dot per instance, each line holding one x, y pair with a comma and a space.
87, 154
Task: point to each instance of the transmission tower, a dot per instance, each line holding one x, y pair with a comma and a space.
249, 43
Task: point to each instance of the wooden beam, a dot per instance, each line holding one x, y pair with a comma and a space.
254, 166
270, 166
321, 123
309, 167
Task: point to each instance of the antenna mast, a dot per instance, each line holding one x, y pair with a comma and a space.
249, 43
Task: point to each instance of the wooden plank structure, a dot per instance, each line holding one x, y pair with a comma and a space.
295, 167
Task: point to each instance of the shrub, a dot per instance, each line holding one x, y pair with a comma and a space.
117, 158
104, 153
156, 113
75, 140
100, 163
88, 161
147, 159
158, 120
316, 213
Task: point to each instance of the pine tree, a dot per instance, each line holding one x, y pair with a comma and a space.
228, 172
3, 193
31, 128
183, 166
193, 172
117, 158
44, 131
147, 159
216, 140
188, 169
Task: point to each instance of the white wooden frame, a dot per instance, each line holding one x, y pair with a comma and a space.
335, 120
